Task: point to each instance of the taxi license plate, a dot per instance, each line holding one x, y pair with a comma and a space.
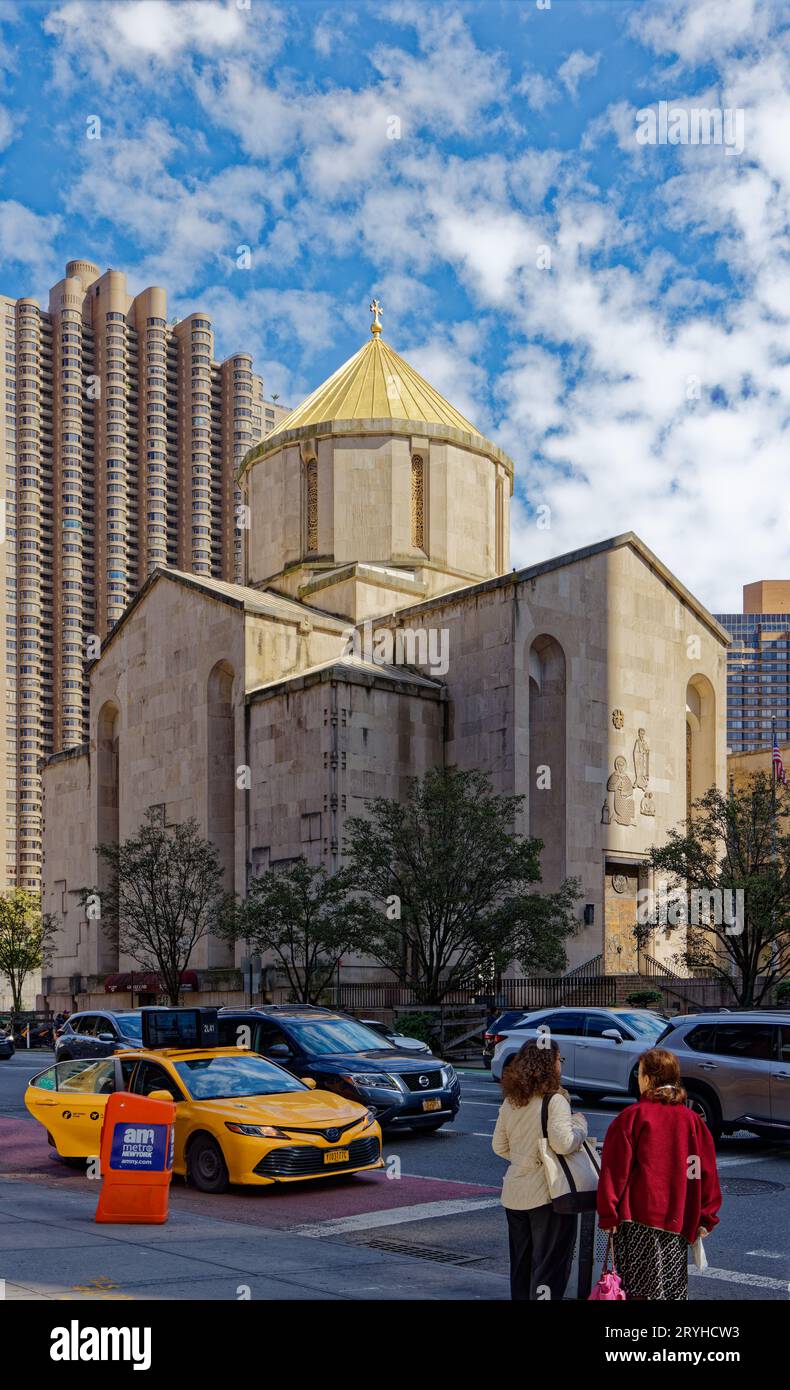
434, 1104
336, 1156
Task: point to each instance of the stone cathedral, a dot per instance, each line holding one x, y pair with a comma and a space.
381, 632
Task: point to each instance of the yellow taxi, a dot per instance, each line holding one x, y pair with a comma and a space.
239, 1117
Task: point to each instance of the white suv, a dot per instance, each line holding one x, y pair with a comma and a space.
600, 1048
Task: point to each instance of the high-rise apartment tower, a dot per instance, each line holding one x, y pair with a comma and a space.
121, 440
758, 667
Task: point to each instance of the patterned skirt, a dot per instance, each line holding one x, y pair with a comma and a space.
652, 1264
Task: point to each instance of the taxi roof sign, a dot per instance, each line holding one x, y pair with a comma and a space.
179, 1028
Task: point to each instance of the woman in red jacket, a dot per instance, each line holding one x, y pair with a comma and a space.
659, 1189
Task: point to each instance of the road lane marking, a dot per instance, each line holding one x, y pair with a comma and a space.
368, 1220
737, 1162
767, 1254
734, 1276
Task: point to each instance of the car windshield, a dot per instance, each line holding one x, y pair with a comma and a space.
345, 1035
644, 1025
224, 1078
131, 1025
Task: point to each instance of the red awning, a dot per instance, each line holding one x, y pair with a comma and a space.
145, 982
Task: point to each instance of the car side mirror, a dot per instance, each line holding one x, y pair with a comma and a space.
279, 1050
613, 1034
159, 1095
308, 1081
105, 1037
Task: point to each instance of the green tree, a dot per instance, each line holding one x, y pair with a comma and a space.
164, 894
449, 885
306, 918
732, 843
26, 939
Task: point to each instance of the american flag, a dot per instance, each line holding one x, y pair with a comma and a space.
777, 765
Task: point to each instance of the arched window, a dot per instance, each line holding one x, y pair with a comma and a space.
700, 738
311, 489
547, 755
107, 819
499, 523
221, 783
417, 502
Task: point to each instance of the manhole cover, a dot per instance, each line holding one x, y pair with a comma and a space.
419, 1252
750, 1187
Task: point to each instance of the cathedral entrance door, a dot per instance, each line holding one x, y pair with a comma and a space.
620, 908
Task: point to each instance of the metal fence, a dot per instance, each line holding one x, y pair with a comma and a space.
680, 994
525, 992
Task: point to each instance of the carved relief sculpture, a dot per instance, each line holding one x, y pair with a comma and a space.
641, 761
618, 718
622, 786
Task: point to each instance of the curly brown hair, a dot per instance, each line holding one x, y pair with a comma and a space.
532, 1072
662, 1070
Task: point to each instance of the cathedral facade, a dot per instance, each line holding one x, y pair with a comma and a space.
380, 633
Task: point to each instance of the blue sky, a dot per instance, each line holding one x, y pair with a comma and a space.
616, 315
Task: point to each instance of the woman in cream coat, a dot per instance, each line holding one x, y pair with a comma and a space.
541, 1240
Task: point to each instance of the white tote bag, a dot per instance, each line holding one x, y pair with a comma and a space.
572, 1178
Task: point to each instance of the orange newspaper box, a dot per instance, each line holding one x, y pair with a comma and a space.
136, 1159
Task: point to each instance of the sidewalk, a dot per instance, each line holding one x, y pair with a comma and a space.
50, 1248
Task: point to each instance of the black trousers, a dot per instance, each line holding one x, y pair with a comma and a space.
541, 1253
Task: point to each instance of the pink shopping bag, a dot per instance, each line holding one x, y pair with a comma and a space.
610, 1285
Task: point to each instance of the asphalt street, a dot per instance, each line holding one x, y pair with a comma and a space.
428, 1226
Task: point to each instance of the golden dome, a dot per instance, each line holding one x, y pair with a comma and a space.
375, 387
375, 384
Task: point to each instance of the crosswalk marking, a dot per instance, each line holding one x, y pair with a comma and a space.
734, 1276
368, 1220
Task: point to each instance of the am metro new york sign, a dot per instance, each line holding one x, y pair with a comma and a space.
141, 1147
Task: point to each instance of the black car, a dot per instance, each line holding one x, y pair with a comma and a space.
343, 1055
496, 1028
96, 1033
6, 1045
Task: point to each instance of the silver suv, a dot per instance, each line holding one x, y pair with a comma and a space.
600, 1048
736, 1068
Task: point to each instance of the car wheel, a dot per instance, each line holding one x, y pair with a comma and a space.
487, 1063
206, 1167
64, 1057
703, 1105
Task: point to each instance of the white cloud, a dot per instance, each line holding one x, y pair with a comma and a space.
577, 66
9, 127
701, 31
146, 38
539, 91
344, 136
26, 238
182, 226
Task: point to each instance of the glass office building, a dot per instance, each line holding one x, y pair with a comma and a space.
758, 679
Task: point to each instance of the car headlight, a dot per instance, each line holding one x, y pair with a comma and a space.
373, 1080
257, 1131
449, 1075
